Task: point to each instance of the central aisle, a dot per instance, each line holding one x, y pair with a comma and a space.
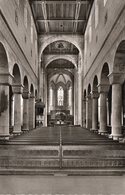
61, 185
67, 135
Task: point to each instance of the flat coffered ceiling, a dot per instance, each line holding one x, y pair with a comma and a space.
56, 17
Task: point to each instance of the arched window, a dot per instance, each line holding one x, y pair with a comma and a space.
70, 97
25, 15
96, 13
31, 30
90, 29
105, 1
60, 96
51, 96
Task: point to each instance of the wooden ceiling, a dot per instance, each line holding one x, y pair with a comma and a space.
61, 16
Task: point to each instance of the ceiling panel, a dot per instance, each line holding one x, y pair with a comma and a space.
61, 16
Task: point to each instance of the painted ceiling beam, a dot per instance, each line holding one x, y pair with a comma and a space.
78, 5
61, 2
59, 20
45, 16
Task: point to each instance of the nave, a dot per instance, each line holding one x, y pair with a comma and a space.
65, 150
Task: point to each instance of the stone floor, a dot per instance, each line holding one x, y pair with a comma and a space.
22, 171
67, 135
37, 185
68, 150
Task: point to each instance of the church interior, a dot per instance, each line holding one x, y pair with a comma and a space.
62, 97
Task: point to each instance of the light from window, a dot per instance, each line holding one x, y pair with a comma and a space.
25, 16
51, 96
105, 2
90, 29
18, 2
90, 33
31, 30
60, 96
96, 13
70, 96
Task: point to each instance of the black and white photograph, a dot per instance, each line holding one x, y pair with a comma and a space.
62, 97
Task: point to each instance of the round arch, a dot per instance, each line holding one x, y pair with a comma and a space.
89, 89
16, 74
32, 90
95, 84
84, 93
26, 84
104, 74
64, 57
51, 39
119, 59
3, 59
36, 94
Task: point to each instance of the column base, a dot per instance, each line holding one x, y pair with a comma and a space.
102, 132
25, 130
116, 136
17, 132
4, 137
94, 130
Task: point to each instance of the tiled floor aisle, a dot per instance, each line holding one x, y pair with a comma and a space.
62, 185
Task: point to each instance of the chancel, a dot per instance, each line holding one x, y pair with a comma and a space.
62, 88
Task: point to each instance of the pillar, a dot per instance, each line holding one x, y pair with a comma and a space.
79, 97
5, 81
12, 111
88, 112
116, 121
25, 111
17, 91
32, 112
94, 111
84, 112
75, 98
103, 91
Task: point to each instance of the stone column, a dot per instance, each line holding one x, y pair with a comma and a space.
32, 112
75, 98
95, 111
103, 91
53, 100
12, 111
79, 97
84, 112
5, 81
88, 112
116, 121
45, 97
26, 96
17, 91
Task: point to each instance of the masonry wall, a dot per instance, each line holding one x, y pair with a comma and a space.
13, 13
99, 38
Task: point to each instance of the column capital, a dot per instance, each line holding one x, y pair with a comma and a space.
17, 89
94, 94
32, 96
6, 79
88, 96
116, 78
103, 88
26, 95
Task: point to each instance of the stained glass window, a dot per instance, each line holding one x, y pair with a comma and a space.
60, 96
